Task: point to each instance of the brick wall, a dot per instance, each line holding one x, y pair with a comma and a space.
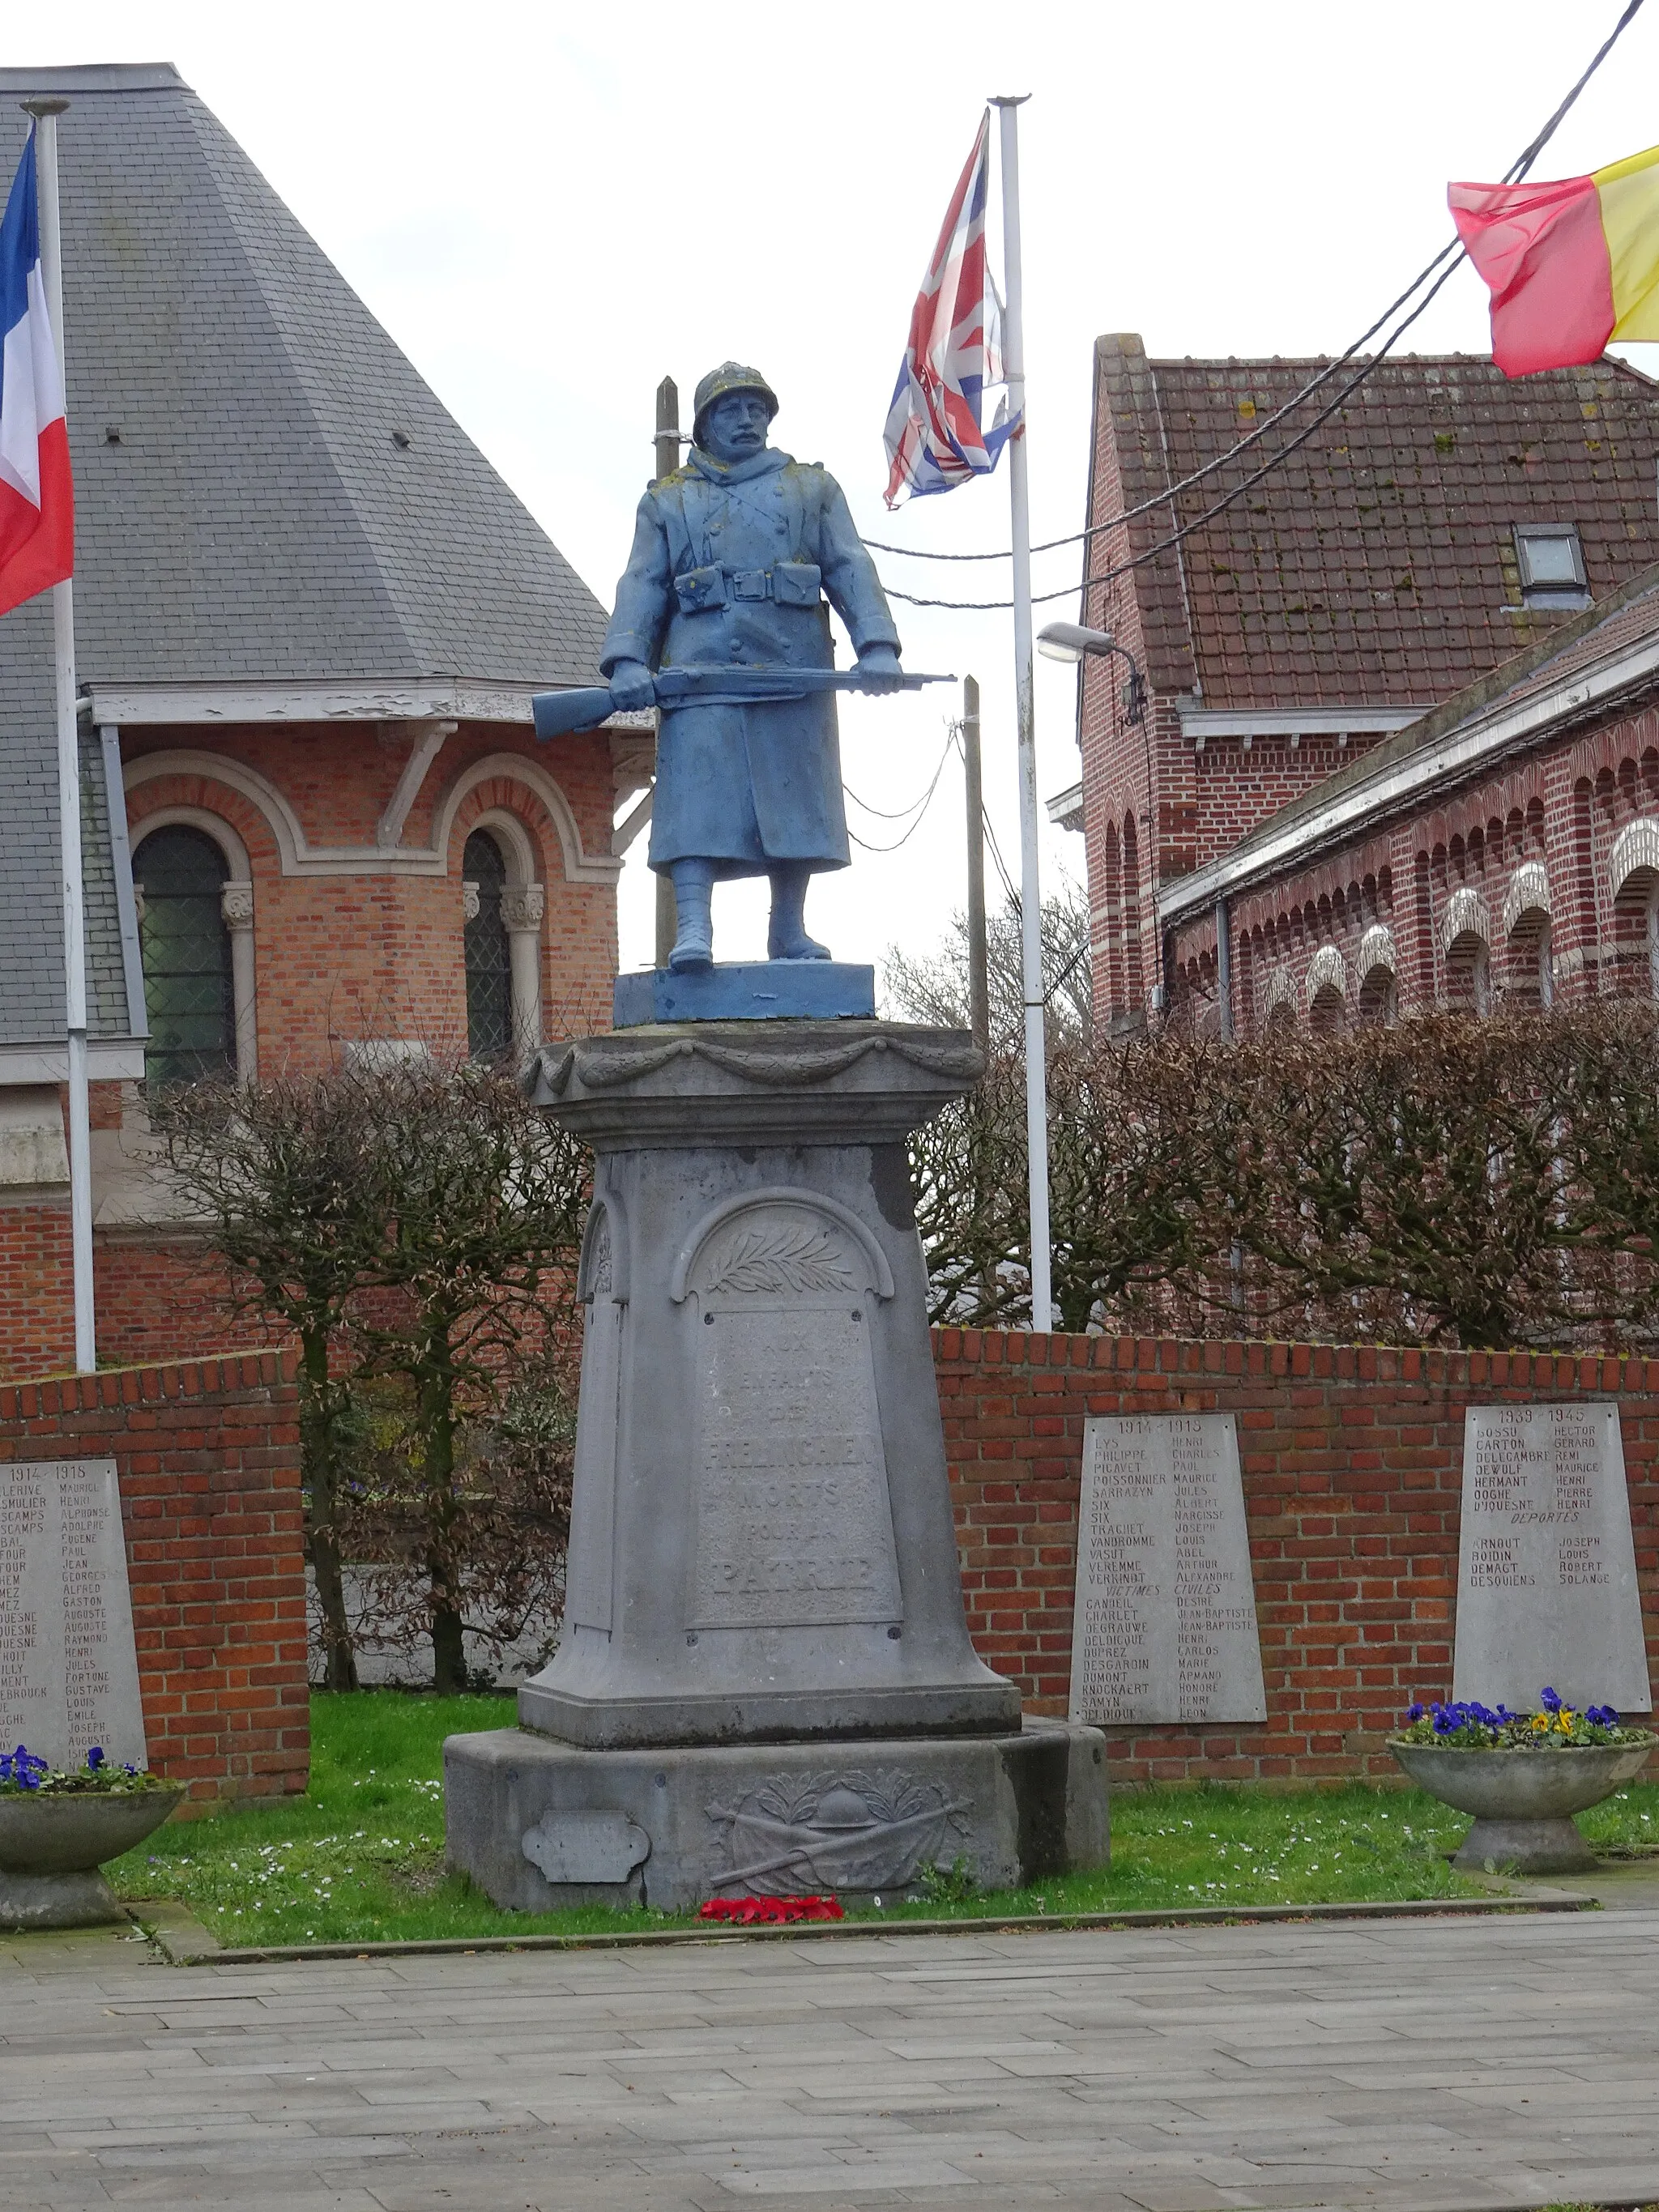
1562, 807
1352, 1460
340, 956
37, 1288
159, 1296
207, 1455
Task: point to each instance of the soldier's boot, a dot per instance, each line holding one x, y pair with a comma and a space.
693, 938
786, 938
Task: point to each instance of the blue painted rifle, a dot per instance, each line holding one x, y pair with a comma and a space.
559, 713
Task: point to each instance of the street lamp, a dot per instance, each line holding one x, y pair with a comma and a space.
1072, 642
1059, 640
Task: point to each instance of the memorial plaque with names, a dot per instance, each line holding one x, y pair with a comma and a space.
69, 1670
1546, 1591
795, 1525
1164, 1627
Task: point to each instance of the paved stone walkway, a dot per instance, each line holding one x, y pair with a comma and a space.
1407, 2064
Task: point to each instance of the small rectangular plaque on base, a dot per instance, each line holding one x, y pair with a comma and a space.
747, 991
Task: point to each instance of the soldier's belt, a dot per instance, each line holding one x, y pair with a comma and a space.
788, 583
557, 714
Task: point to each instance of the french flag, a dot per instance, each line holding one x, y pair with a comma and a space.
37, 496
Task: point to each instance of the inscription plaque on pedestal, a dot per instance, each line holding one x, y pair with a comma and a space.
794, 1526
69, 1671
1165, 1627
1546, 1588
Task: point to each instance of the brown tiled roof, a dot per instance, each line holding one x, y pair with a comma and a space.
1627, 616
1375, 566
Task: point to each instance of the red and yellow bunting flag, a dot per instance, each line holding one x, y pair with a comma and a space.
1569, 264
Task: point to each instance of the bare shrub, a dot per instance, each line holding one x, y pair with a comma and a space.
1449, 1180
415, 1222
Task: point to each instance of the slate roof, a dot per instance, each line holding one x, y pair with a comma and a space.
31, 893
1376, 567
256, 522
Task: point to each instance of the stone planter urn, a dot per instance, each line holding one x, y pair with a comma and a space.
1524, 1800
52, 1846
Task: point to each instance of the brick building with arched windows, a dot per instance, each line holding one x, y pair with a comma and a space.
1387, 727
1502, 851
309, 617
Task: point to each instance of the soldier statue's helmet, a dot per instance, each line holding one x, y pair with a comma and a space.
730, 376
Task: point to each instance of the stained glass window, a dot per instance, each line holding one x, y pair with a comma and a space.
488, 958
180, 873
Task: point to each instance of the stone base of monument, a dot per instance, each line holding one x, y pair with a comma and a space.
539, 1825
765, 1681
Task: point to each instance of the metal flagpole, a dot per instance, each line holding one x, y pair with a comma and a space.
45, 111
979, 995
1030, 893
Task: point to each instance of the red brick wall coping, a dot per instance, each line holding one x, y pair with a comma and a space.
1352, 1363
49, 1395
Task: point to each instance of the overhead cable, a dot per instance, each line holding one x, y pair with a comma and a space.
918, 807
1516, 171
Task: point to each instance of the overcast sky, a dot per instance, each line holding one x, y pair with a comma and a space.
551, 207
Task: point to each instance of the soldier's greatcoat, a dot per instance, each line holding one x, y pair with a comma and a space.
730, 566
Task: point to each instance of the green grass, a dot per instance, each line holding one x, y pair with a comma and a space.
359, 1858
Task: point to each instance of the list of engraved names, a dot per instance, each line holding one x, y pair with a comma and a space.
1547, 1569
1165, 1625
69, 1672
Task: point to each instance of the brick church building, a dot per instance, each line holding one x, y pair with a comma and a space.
309, 617
1394, 742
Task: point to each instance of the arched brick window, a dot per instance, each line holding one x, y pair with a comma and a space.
1529, 959
1110, 953
1633, 880
179, 875
1133, 980
1376, 966
1327, 989
489, 953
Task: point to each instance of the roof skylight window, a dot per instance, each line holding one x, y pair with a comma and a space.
1551, 565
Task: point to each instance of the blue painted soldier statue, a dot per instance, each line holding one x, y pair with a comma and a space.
734, 557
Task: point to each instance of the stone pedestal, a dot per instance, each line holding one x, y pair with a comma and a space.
765, 1633
539, 1824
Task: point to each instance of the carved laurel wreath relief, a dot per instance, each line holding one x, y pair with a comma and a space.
775, 1256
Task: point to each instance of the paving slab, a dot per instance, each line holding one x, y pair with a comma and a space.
1406, 2066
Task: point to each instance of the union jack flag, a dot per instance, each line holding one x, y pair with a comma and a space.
935, 434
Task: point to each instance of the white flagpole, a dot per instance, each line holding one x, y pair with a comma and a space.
1030, 891
45, 111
